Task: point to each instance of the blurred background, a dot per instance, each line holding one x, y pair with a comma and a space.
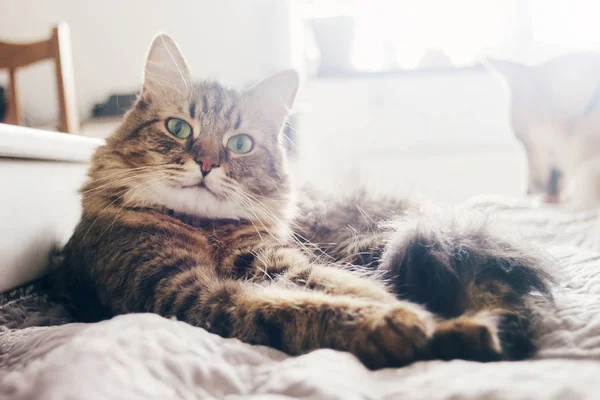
394, 94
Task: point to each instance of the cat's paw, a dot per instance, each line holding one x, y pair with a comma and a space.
395, 337
467, 338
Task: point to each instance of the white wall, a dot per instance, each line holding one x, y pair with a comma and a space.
236, 41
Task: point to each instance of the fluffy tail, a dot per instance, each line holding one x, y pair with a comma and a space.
462, 268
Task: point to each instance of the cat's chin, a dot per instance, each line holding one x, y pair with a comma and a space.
202, 186
197, 200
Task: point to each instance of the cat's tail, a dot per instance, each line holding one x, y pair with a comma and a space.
461, 266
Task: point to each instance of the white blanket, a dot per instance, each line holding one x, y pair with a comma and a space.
145, 356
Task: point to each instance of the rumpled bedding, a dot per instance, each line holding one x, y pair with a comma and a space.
44, 355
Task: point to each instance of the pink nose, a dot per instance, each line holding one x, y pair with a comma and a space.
206, 164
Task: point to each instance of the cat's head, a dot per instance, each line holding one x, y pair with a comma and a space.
199, 148
555, 114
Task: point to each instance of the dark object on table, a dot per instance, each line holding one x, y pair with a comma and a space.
116, 105
3, 103
552, 194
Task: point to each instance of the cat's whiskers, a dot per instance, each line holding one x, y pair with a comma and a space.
304, 242
259, 215
134, 172
259, 256
257, 207
104, 210
266, 211
122, 182
103, 175
148, 182
149, 185
252, 204
268, 214
277, 185
252, 222
123, 205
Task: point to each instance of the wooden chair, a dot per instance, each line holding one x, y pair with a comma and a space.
57, 48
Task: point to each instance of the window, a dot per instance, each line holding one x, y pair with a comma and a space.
408, 34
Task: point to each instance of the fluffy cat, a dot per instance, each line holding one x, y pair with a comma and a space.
555, 113
188, 212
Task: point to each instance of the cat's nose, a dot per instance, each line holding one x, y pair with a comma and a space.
207, 164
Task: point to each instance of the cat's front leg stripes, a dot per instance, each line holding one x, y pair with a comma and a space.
337, 281
291, 266
297, 321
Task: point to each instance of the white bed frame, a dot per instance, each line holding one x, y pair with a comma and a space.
40, 174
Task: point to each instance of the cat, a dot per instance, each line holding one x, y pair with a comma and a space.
555, 114
189, 212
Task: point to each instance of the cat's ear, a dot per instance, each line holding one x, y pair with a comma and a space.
166, 69
513, 73
274, 97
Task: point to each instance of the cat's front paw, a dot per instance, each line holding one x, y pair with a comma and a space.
467, 338
395, 337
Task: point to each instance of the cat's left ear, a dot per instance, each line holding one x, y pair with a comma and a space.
272, 99
166, 69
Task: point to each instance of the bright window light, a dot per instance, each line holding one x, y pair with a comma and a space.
398, 33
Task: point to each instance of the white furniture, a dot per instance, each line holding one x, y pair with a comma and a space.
444, 134
40, 175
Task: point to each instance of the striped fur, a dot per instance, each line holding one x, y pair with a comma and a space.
225, 252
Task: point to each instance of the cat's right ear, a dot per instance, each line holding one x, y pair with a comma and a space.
273, 98
512, 72
166, 70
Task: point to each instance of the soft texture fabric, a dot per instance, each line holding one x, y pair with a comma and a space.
145, 356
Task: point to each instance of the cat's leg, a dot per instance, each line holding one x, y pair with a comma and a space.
488, 335
482, 282
455, 268
474, 335
292, 267
296, 320
490, 327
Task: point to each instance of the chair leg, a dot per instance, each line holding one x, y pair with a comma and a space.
61, 41
14, 115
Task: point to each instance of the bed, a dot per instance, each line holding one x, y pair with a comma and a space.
45, 354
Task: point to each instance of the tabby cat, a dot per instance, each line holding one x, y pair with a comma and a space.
188, 212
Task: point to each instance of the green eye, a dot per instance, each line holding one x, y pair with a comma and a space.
240, 144
179, 128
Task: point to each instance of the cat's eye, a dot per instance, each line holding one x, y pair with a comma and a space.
179, 128
240, 144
